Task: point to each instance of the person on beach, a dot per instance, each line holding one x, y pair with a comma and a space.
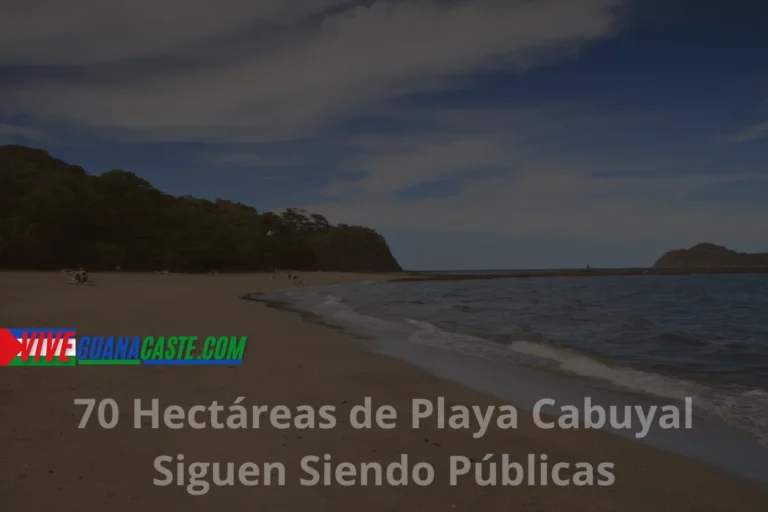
80, 277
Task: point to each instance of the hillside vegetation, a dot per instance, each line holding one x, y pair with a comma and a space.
710, 255
53, 214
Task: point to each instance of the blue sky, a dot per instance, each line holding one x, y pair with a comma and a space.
471, 133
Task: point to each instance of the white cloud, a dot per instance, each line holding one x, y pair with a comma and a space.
52, 32
22, 132
541, 183
294, 83
551, 205
541, 193
391, 172
751, 132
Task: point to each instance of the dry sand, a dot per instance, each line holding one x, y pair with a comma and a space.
47, 463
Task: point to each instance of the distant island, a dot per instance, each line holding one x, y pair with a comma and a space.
701, 259
710, 255
54, 214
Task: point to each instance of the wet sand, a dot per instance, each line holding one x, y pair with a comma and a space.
47, 462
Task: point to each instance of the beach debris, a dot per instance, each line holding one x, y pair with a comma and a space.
162, 272
270, 233
118, 268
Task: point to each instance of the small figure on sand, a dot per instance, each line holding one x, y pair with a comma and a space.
80, 276
294, 277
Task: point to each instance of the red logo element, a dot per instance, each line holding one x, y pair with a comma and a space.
9, 347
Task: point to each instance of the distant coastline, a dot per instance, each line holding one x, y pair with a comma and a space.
650, 271
701, 259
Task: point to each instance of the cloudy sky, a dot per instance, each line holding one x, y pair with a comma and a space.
471, 133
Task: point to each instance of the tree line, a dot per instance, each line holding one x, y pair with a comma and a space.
53, 215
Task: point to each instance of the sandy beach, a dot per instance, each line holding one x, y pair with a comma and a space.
47, 462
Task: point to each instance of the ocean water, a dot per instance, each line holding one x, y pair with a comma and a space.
657, 337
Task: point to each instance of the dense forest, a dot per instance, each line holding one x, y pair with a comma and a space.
53, 215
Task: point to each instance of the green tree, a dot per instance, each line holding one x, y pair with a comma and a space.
53, 214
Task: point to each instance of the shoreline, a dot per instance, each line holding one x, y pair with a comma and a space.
437, 275
737, 450
651, 271
288, 361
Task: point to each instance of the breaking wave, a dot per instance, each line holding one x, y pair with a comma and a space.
741, 406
